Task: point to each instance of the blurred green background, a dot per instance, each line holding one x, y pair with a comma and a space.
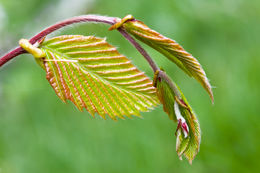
38, 133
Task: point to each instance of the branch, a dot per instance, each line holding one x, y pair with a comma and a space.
86, 18
78, 19
140, 49
10, 55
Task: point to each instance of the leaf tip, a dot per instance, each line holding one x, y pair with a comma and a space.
207, 86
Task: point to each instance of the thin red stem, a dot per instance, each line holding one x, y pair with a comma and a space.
151, 62
86, 18
140, 49
78, 19
10, 55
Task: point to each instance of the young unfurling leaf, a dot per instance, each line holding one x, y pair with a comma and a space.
165, 94
93, 75
176, 106
171, 49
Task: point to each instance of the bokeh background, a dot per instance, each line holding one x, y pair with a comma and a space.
38, 133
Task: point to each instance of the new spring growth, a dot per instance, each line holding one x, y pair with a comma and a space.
88, 68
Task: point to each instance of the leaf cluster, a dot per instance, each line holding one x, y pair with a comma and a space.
92, 74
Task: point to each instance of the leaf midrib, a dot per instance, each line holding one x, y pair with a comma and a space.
92, 73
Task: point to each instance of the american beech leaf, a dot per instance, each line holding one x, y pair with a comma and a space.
93, 75
178, 109
171, 49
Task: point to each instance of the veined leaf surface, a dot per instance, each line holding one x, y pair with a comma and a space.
168, 92
93, 75
193, 146
171, 49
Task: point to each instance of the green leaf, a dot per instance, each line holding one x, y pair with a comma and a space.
165, 94
195, 133
181, 143
93, 75
178, 109
171, 49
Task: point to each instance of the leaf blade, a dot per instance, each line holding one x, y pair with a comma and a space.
93, 75
171, 49
167, 92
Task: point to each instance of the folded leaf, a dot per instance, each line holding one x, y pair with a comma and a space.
171, 49
93, 75
178, 109
181, 143
195, 133
165, 95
